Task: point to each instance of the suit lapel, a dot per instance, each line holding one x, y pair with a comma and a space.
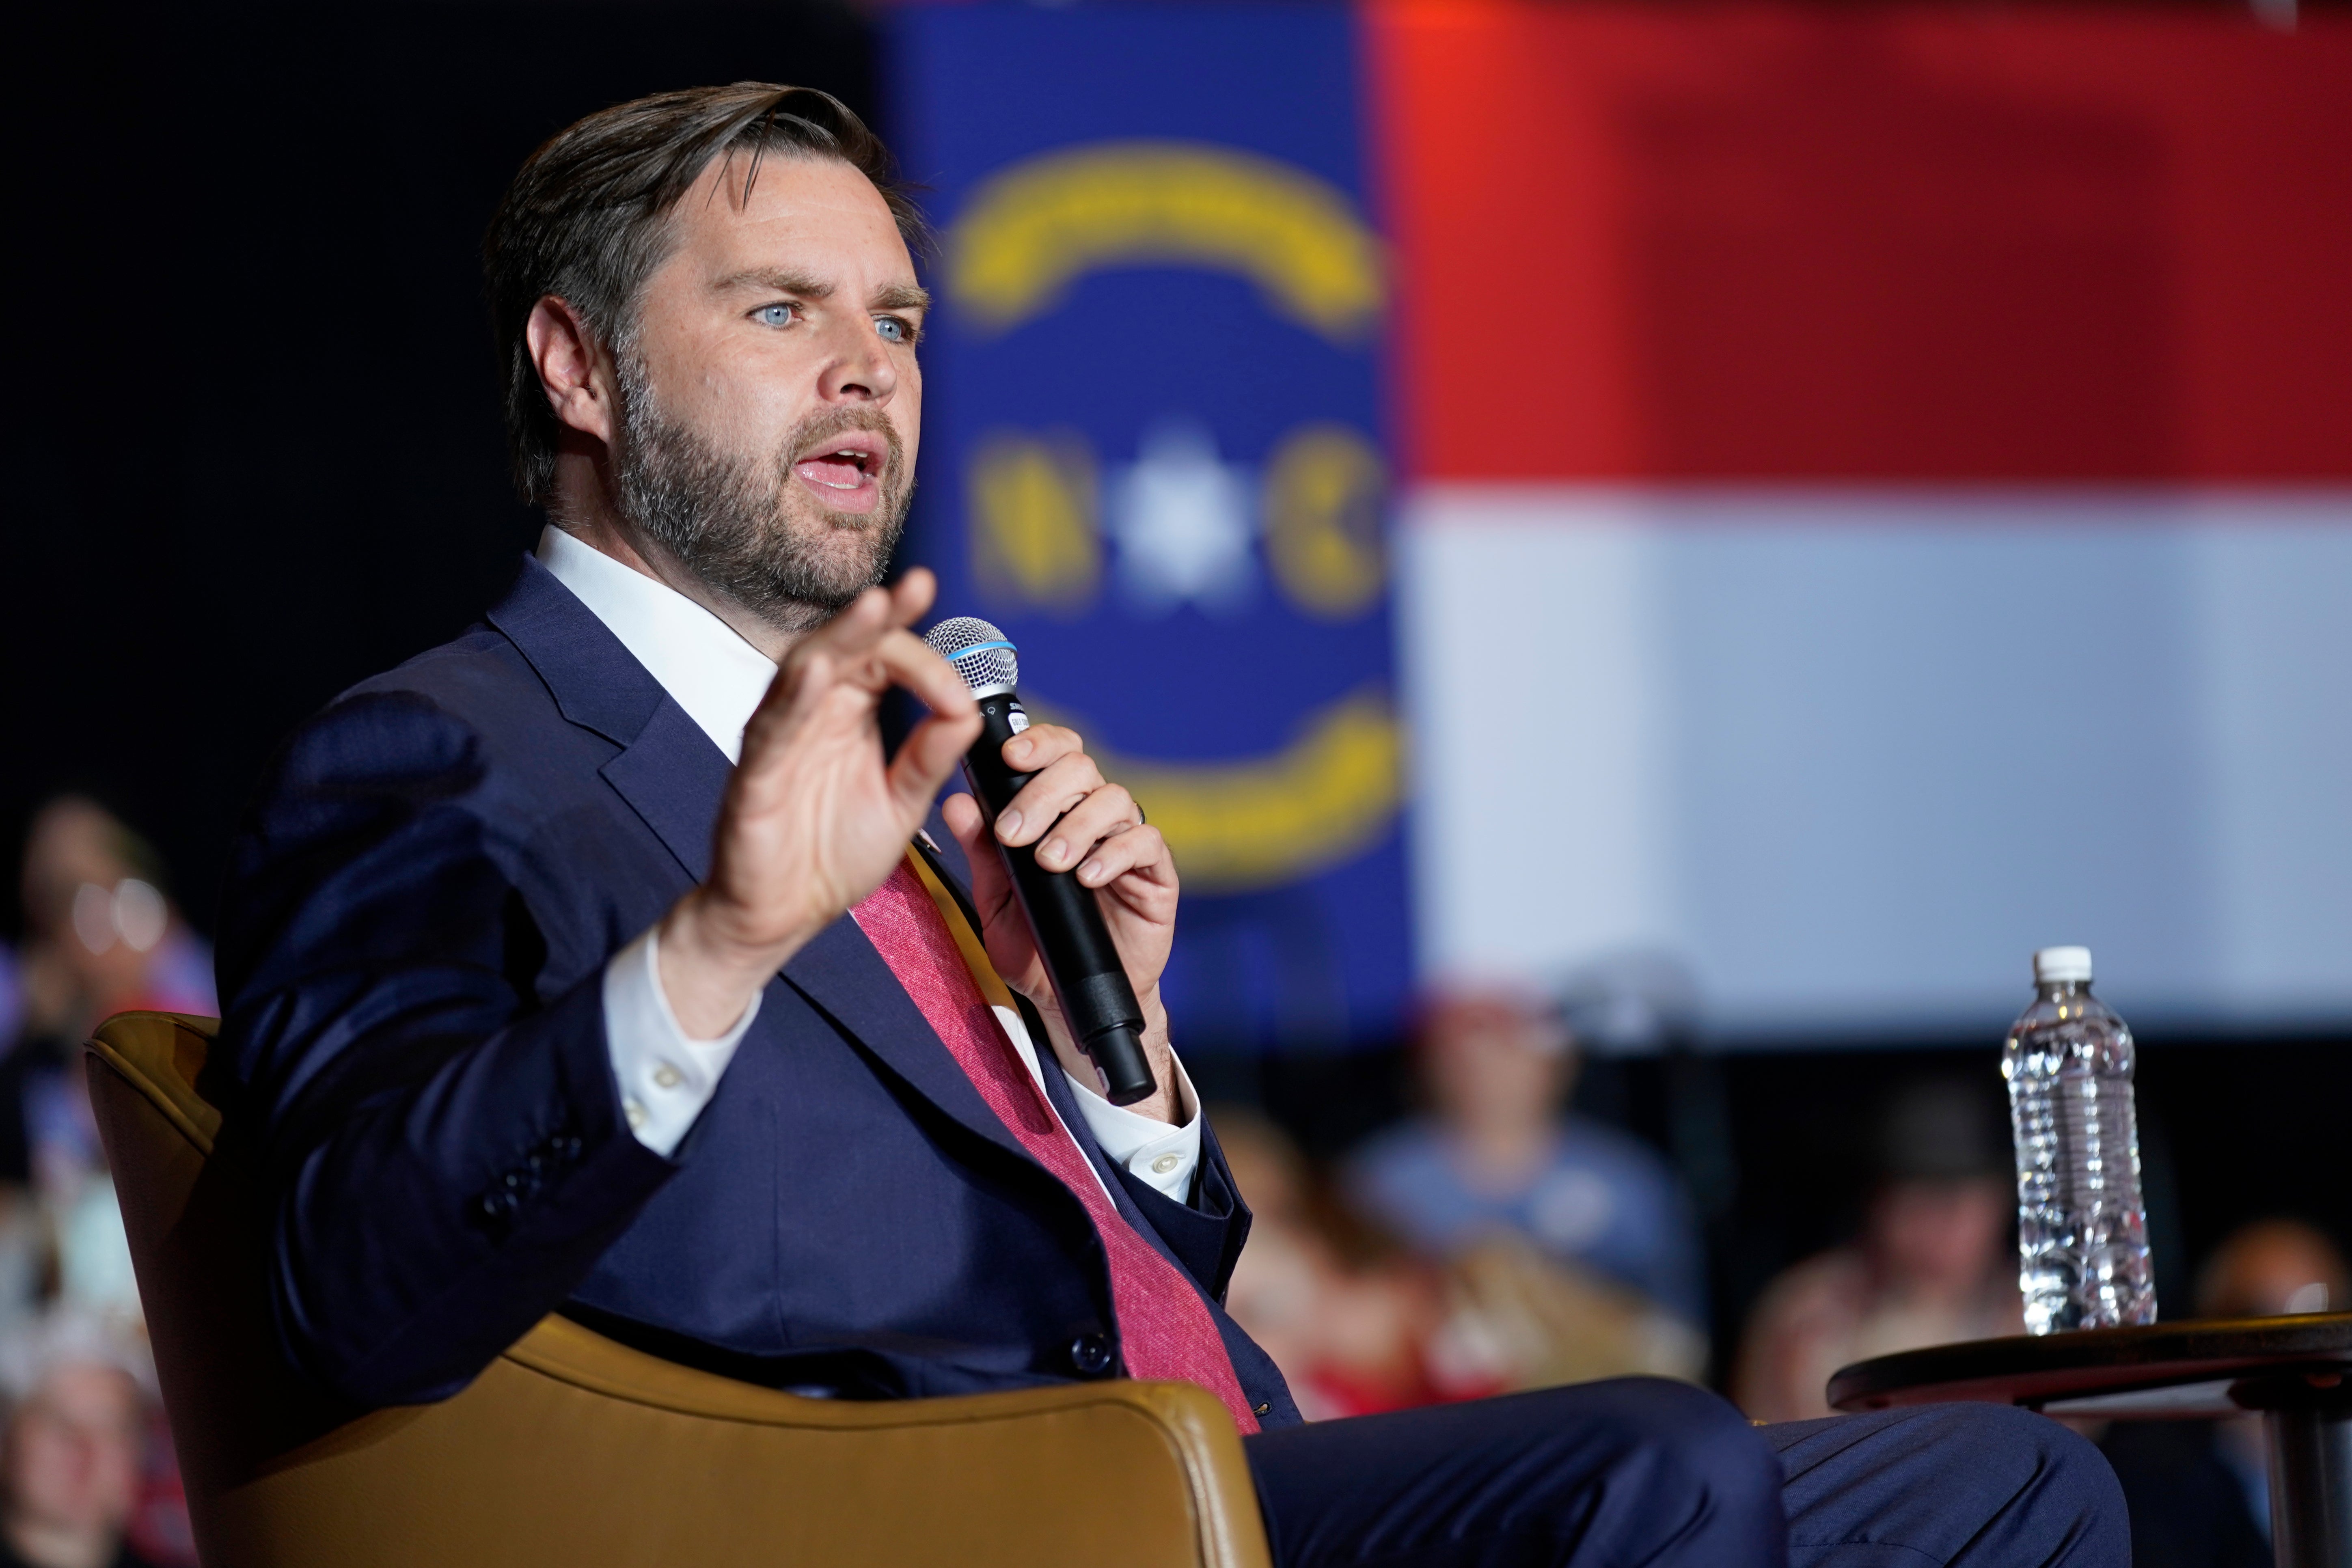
842, 974
673, 776
596, 682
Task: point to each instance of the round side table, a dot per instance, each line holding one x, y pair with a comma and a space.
2296, 1371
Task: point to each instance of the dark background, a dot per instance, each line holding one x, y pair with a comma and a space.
255, 456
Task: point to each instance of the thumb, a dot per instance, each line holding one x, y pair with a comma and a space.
989, 885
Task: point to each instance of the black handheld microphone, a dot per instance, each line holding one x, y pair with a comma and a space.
1097, 1002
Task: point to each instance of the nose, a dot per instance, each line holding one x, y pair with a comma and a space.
859, 369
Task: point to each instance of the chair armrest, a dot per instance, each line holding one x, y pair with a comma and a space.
162, 1055
574, 1449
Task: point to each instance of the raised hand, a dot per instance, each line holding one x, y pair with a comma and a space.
813, 820
1077, 819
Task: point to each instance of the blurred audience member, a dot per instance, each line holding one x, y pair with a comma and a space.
2200, 1490
1498, 1158
101, 938
1352, 1338
1527, 1320
1935, 1263
2270, 1269
70, 1462
100, 935
1359, 1324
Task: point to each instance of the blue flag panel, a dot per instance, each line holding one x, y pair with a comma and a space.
1155, 457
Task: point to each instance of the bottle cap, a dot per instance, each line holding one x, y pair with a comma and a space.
2058, 965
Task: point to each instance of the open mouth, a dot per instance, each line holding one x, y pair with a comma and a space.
845, 467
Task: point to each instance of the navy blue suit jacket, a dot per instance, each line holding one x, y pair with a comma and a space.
414, 933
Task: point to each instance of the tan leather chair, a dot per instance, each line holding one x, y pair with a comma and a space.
574, 1450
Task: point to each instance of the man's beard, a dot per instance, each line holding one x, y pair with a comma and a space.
742, 526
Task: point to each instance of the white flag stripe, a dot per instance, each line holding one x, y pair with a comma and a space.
1849, 756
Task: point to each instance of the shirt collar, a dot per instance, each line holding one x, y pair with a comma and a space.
701, 661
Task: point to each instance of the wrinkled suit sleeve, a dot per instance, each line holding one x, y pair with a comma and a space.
438, 1145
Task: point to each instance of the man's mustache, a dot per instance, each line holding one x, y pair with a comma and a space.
807, 438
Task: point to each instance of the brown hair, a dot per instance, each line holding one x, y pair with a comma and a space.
587, 219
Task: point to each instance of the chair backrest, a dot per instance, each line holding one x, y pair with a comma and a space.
571, 1448
236, 1405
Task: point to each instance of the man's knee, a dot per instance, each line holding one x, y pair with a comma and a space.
1699, 1441
2068, 1505
1975, 1483
2032, 1448
2062, 1473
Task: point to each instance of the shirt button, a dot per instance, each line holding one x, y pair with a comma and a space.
668, 1077
1165, 1163
1090, 1355
635, 1112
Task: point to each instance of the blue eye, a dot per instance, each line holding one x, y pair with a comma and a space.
774, 315
893, 330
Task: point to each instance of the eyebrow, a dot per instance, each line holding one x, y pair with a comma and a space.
891, 297
782, 279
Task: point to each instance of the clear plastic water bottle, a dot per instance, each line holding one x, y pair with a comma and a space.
2082, 1227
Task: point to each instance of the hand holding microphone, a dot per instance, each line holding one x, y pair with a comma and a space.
1094, 887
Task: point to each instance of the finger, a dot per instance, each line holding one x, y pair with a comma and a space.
1040, 746
991, 889
905, 660
861, 627
1136, 854
1046, 796
1106, 812
799, 686
911, 595
855, 629
867, 621
816, 664
964, 820
926, 756
863, 646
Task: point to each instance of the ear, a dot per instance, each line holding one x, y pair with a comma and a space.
574, 370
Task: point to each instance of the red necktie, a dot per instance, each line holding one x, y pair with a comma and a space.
1164, 1327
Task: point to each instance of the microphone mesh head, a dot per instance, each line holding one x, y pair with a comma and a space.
979, 652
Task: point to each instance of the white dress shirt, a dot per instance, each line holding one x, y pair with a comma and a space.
666, 1077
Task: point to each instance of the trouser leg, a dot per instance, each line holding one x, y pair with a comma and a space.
1600, 1475
1948, 1486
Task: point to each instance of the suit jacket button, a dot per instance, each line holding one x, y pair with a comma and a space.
1090, 1353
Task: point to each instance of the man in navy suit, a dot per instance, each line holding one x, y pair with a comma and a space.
580, 964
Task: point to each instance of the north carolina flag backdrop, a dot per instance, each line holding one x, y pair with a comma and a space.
1880, 501
1874, 488
1154, 455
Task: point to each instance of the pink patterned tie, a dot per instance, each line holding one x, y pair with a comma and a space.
1165, 1330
